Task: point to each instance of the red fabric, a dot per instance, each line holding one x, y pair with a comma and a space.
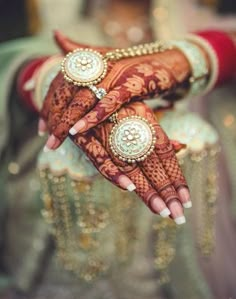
225, 50
25, 75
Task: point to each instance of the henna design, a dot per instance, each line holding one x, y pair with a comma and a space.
128, 79
100, 158
150, 176
62, 96
164, 149
48, 99
154, 170
171, 165
78, 107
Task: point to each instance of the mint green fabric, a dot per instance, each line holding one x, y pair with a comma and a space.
19, 233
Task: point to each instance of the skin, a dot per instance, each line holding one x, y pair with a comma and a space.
158, 180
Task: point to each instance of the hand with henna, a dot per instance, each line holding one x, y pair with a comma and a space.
158, 179
69, 108
65, 104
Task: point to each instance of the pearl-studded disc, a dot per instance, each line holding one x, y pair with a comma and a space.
84, 67
132, 139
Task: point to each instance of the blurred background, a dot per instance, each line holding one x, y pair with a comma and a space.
30, 17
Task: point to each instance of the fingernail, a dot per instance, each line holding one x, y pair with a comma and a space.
72, 131
29, 85
184, 194
41, 133
42, 127
158, 206
51, 143
77, 127
180, 220
46, 149
188, 204
131, 187
126, 183
165, 213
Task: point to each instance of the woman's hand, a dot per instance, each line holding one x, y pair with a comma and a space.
158, 179
68, 108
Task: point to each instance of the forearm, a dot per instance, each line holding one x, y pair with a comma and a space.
174, 60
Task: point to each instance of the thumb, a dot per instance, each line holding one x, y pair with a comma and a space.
67, 45
64, 43
177, 145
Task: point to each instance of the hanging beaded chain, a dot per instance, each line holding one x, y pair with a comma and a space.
81, 225
201, 171
165, 247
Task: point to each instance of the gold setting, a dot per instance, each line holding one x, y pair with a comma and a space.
141, 141
95, 79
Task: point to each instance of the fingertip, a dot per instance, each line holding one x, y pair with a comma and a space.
41, 133
187, 205
126, 183
176, 208
78, 127
131, 187
46, 149
52, 143
42, 127
158, 206
180, 220
165, 213
184, 197
72, 131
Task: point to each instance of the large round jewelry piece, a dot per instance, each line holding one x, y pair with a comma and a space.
84, 67
132, 139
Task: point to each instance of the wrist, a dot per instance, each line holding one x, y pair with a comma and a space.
222, 49
25, 81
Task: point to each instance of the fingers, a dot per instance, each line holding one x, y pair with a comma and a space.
166, 153
104, 109
42, 127
157, 176
82, 102
62, 97
184, 196
49, 97
101, 160
67, 45
177, 212
177, 146
165, 150
147, 193
143, 187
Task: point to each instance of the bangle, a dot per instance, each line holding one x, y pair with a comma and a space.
214, 63
225, 51
25, 78
198, 64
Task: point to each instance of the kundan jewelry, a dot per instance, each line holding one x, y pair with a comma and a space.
87, 67
132, 139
